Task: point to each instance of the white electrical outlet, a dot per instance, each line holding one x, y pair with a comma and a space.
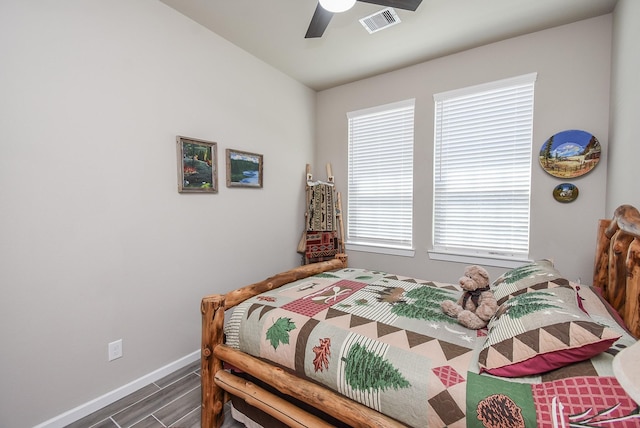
115, 350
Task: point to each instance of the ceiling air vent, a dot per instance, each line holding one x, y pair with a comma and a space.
380, 20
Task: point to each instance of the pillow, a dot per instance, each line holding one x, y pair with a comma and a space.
532, 276
542, 330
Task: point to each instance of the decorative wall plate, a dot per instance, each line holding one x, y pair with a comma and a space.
570, 154
565, 192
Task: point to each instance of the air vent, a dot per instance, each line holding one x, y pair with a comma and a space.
380, 20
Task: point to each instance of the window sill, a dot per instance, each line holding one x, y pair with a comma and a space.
393, 251
497, 261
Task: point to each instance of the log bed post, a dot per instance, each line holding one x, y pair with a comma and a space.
617, 264
616, 285
601, 263
632, 304
212, 308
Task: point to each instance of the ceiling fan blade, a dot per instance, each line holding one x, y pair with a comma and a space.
319, 22
399, 4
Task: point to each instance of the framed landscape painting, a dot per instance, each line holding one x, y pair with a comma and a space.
243, 169
197, 166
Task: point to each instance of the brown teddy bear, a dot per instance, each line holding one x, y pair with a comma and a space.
477, 304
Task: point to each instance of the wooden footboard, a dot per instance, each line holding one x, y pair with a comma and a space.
341, 408
617, 264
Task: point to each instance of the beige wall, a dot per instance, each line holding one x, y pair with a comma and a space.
623, 185
572, 92
96, 244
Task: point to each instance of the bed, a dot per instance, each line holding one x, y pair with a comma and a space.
325, 344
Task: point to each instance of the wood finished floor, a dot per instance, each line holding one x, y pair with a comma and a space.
173, 401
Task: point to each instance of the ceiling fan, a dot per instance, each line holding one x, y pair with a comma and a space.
326, 8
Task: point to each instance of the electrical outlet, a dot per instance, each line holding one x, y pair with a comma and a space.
115, 350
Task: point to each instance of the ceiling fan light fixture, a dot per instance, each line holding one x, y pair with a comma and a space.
337, 6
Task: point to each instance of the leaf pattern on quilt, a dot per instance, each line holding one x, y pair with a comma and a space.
519, 273
528, 303
391, 295
323, 352
364, 370
326, 275
279, 332
424, 304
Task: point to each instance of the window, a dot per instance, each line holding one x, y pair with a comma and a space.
482, 170
380, 182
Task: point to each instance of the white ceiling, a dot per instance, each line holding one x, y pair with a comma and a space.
273, 30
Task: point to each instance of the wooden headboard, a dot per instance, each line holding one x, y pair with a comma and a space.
617, 264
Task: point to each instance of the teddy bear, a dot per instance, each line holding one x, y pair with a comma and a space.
477, 304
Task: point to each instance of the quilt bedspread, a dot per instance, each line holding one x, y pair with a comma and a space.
382, 340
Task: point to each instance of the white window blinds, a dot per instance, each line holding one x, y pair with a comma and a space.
380, 182
482, 168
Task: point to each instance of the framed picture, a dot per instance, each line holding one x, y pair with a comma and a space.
197, 166
570, 154
243, 169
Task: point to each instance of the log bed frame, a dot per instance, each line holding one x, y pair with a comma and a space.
616, 273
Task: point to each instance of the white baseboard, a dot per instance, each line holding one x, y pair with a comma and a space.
89, 407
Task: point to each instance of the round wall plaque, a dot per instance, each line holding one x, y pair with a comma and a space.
570, 154
565, 192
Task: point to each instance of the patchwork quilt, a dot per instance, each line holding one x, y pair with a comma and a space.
382, 340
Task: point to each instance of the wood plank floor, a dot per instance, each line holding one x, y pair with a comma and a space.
173, 401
